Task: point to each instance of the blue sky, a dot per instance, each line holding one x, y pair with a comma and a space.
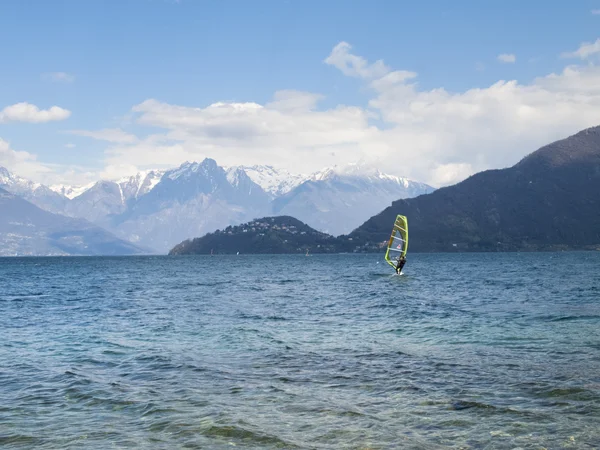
99, 59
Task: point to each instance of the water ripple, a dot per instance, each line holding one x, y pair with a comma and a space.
464, 351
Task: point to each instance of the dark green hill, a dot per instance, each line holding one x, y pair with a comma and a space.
281, 234
549, 200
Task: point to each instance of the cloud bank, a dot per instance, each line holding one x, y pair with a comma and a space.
431, 135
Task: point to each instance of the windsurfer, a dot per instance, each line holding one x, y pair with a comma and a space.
400, 265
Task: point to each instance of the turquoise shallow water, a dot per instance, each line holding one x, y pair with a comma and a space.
463, 351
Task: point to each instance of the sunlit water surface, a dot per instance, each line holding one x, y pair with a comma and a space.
462, 351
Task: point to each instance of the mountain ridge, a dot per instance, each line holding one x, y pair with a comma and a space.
26, 229
548, 200
160, 208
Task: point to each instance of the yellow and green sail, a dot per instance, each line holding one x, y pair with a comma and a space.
398, 244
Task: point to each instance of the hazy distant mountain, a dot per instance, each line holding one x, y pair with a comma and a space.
337, 200
26, 229
133, 186
549, 200
36, 193
103, 199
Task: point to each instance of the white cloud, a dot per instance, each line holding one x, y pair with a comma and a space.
432, 135
287, 132
507, 58
58, 77
585, 50
354, 66
26, 165
70, 145
294, 101
26, 112
21, 163
115, 135
595, 12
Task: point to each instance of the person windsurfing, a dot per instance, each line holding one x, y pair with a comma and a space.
395, 255
400, 265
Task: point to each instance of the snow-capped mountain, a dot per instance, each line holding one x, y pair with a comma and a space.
192, 200
103, 199
70, 191
99, 201
133, 186
158, 209
275, 182
36, 193
140, 184
337, 200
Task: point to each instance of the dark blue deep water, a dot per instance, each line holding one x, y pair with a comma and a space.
462, 351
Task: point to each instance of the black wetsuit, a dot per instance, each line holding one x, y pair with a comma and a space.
400, 265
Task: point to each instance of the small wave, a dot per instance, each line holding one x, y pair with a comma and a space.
459, 405
152, 409
259, 317
572, 393
246, 436
20, 439
277, 318
571, 318
287, 281
250, 316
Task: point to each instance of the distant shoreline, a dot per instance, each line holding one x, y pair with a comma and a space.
460, 252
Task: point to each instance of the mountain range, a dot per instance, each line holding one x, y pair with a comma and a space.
550, 200
330, 200
26, 230
547, 201
157, 209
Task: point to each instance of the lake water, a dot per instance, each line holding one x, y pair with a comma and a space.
331, 351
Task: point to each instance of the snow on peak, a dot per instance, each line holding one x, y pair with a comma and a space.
141, 183
359, 170
234, 174
207, 166
133, 186
183, 170
273, 181
324, 174
15, 182
71, 191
